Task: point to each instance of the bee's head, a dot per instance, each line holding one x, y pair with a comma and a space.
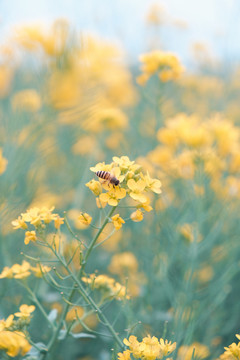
116, 182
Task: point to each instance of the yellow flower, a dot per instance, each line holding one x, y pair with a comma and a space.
152, 184
145, 206
40, 270
58, 222
232, 352
123, 162
14, 343
19, 223
30, 236
113, 196
200, 351
5, 324
137, 187
167, 347
21, 271
101, 204
117, 221
95, 187
150, 348
125, 355
3, 163
101, 167
85, 219
107, 285
137, 216
6, 273
25, 311
135, 346
123, 264
165, 64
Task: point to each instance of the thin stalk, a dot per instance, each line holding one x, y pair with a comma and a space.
90, 301
93, 242
35, 299
87, 298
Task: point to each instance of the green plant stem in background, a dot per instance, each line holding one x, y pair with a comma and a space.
35, 299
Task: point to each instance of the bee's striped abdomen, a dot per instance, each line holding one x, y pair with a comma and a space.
103, 175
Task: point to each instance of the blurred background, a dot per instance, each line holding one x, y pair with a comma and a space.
159, 82
215, 23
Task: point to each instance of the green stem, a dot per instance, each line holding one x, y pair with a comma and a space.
90, 301
81, 289
35, 299
93, 242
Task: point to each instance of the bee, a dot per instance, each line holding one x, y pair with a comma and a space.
107, 176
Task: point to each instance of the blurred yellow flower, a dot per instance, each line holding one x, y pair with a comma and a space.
123, 264
200, 351
26, 100
125, 355
166, 65
30, 236
137, 216
25, 311
19, 223
39, 270
3, 163
5, 324
85, 219
109, 287
14, 343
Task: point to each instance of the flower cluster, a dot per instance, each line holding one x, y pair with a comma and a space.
13, 332
166, 65
189, 144
38, 218
150, 348
200, 351
108, 287
24, 270
232, 352
133, 183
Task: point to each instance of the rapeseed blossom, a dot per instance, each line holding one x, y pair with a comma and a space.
133, 182
23, 271
12, 339
117, 221
232, 352
108, 287
85, 219
25, 311
166, 65
150, 348
38, 218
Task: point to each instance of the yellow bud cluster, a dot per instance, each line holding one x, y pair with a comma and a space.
166, 65
12, 340
150, 348
108, 287
38, 218
24, 270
